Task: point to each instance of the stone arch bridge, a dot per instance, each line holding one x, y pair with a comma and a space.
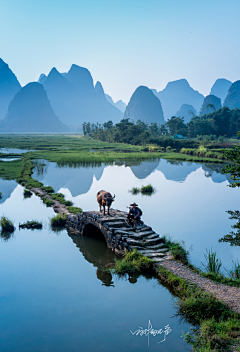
118, 235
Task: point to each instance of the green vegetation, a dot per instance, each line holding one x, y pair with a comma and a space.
27, 193
6, 224
61, 199
213, 265
59, 220
203, 152
33, 224
48, 189
233, 237
135, 190
149, 189
177, 249
74, 210
145, 190
133, 262
48, 202
216, 327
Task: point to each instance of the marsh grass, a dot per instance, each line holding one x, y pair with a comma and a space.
149, 189
133, 262
61, 199
6, 224
134, 190
235, 272
213, 265
59, 220
74, 210
33, 224
177, 249
47, 202
27, 193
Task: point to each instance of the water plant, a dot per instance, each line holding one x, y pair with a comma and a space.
27, 193
149, 189
59, 220
6, 224
213, 265
133, 262
74, 210
235, 272
135, 190
33, 224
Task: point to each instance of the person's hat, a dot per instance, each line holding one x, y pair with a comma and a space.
131, 205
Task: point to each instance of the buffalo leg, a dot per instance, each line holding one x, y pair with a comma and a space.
104, 209
100, 208
108, 211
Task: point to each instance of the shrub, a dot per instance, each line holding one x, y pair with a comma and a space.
59, 220
74, 210
6, 224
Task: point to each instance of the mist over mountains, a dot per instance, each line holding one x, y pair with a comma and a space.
68, 99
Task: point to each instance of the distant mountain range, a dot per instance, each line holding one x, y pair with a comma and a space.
233, 98
187, 111
70, 98
177, 93
9, 86
220, 88
75, 99
145, 106
31, 111
211, 103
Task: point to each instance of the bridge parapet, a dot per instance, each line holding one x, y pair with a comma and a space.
118, 234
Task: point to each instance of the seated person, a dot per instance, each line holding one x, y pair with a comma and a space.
134, 213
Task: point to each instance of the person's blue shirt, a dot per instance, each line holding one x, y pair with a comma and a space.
135, 212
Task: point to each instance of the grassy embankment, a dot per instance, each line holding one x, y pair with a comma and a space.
215, 326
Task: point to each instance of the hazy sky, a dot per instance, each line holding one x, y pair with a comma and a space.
124, 43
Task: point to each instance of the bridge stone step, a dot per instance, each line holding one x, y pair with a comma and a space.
103, 220
146, 251
155, 255
143, 228
141, 235
157, 246
116, 224
153, 241
132, 242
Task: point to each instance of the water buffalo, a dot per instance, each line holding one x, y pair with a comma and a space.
104, 199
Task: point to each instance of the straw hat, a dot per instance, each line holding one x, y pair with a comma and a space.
131, 205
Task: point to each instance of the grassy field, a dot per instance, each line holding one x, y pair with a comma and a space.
75, 151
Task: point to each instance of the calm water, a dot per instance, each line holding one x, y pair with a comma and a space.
190, 203
55, 295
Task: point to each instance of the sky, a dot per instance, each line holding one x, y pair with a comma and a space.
125, 43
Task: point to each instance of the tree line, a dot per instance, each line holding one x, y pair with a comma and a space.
223, 122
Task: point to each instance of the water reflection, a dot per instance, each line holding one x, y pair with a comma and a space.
80, 179
94, 249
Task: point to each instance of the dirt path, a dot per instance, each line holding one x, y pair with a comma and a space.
227, 294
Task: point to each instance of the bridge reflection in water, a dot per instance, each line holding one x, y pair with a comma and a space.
93, 246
